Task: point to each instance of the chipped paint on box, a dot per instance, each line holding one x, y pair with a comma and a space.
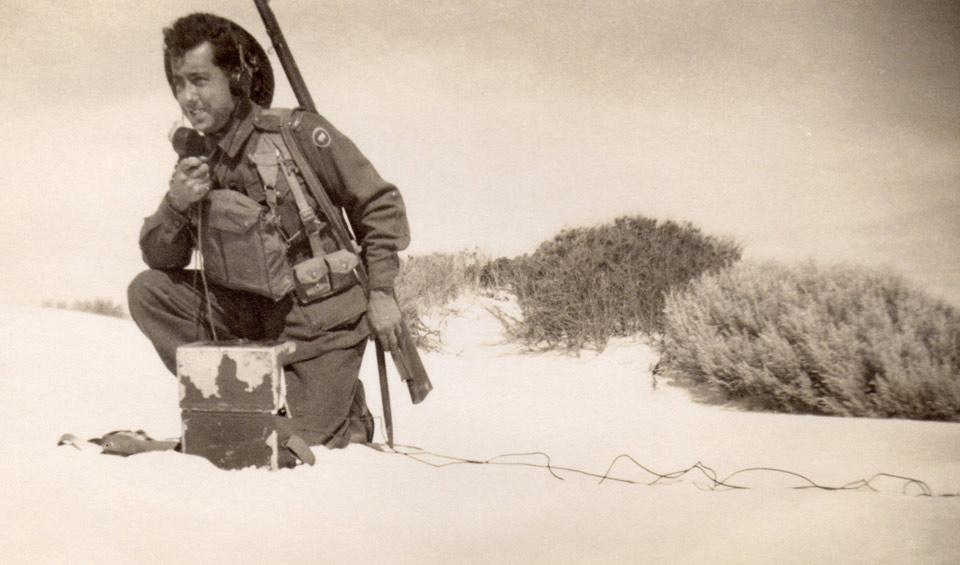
241, 378
274, 444
250, 367
202, 374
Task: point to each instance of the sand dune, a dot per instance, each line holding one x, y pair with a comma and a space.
84, 374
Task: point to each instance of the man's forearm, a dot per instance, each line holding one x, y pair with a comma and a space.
165, 238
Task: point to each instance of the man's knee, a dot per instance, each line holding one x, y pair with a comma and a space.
142, 290
156, 290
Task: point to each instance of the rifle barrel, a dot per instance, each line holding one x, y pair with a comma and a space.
285, 55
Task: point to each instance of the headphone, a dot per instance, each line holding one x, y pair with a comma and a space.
241, 81
254, 78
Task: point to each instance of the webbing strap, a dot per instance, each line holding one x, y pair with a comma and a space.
332, 212
281, 159
266, 164
301, 449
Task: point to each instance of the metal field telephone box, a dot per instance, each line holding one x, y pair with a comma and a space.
232, 403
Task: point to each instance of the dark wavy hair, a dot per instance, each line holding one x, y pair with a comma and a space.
234, 50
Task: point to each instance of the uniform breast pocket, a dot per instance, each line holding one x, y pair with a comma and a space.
241, 248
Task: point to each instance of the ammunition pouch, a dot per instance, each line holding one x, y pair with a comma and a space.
324, 276
242, 247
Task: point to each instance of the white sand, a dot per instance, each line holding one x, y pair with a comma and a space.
84, 374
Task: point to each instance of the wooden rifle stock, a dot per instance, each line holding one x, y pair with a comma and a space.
407, 359
410, 367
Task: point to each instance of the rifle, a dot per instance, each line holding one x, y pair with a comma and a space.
406, 360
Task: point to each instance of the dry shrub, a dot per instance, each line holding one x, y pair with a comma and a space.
101, 306
825, 340
428, 284
590, 284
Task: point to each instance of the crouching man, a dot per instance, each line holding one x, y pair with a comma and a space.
232, 199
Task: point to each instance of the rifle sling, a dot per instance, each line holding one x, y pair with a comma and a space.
331, 212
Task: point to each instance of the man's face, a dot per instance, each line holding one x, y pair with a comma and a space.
203, 90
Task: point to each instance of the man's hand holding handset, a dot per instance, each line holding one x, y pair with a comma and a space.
189, 184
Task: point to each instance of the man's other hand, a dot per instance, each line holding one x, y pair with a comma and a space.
384, 315
190, 182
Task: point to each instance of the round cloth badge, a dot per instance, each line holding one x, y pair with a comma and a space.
320, 137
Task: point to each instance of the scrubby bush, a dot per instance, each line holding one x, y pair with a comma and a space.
102, 306
589, 284
825, 340
427, 284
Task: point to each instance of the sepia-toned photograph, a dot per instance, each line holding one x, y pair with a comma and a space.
480, 281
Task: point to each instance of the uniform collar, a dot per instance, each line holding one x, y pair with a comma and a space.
240, 129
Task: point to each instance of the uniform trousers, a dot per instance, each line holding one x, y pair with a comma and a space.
325, 397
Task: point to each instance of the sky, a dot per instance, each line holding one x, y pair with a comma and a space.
827, 129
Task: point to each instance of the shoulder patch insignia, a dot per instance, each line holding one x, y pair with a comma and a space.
320, 137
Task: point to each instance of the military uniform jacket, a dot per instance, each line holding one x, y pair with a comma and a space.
374, 207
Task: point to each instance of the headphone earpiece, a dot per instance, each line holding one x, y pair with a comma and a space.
241, 82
